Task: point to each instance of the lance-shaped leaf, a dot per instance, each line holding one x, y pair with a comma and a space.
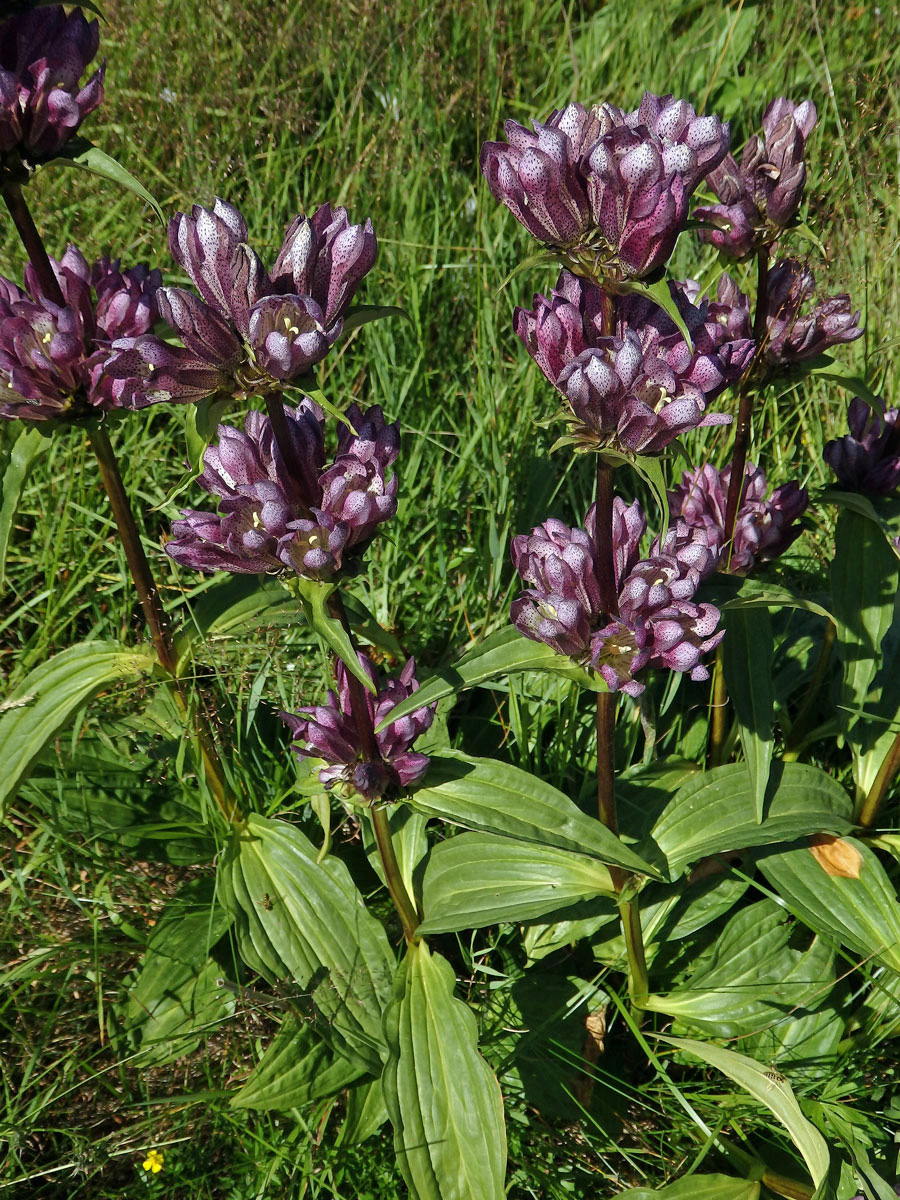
307, 920
314, 598
297, 1068
753, 976
46, 698
716, 811
698, 1187
28, 445
494, 797
772, 1090
864, 584
475, 879
362, 314
503, 653
861, 913
443, 1099
78, 152
747, 653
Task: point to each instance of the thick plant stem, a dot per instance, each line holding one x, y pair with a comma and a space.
718, 724
747, 395
33, 243
869, 808
155, 616
638, 984
368, 744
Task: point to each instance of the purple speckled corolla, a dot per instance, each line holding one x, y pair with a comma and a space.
761, 195
248, 332
764, 527
637, 389
328, 731
43, 54
607, 189
792, 337
53, 359
867, 459
309, 517
657, 623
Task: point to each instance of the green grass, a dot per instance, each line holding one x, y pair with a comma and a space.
279, 107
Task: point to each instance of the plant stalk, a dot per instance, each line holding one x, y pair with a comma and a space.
638, 983
33, 243
868, 810
368, 744
718, 715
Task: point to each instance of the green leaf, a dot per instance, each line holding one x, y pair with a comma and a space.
864, 585
659, 293
716, 812
698, 1187
304, 919
201, 424
753, 976
730, 592
775, 1094
503, 653
333, 411
240, 604
176, 997
78, 152
45, 700
297, 1068
494, 797
314, 597
572, 924
28, 445
365, 1112
747, 651
362, 314
650, 470
862, 914
443, 1099
477, 879
843, 378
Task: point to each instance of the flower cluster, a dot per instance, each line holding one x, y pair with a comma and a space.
250, 331
607, 188
329, 732
759, 197
637, 389
793, 336
867, 459
53, 358
43, 54
657, 622
764, 527
302, 515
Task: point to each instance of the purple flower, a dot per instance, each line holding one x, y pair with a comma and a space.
868, 458
759, 197
248, 333
311, 518
656, 622
764, 527
53, 360
329, 732
791, 337
607, 188
43, 54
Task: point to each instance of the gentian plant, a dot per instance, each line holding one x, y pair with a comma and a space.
668, 604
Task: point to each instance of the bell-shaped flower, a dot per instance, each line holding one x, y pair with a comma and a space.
607, 189
793, 335
53, 360
765, 526
759, 197
43, 54
867, 459
304, 516
329, 732
248, 333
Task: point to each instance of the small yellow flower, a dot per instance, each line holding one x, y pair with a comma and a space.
153, 1162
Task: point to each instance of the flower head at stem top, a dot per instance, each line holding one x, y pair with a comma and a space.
53, 359
867, 459
795, 332
329, 732
606, 190
765, 525
249, 332
43, 54
657, 622
308, 517
759, 197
